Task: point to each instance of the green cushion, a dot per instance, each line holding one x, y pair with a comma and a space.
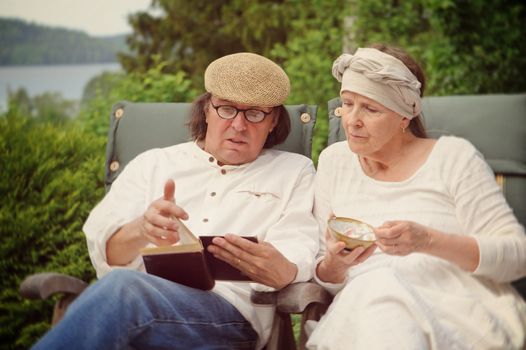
143, 126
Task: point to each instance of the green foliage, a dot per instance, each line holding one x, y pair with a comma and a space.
52, 167
151, 86
191, 34
27, 43
20, 100
46, 107
314, 41
52, 176
466, 47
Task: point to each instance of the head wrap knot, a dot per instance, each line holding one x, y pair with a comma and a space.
381, 77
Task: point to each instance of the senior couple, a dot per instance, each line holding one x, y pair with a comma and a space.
447, 244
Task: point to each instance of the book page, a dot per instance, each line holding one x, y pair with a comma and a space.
188, 242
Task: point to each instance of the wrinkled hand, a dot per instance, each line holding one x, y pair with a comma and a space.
159, 225
337, 260
402, 237
260, 261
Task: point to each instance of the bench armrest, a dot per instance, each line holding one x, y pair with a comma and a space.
294, 298
43, 285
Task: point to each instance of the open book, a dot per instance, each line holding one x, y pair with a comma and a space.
189, 262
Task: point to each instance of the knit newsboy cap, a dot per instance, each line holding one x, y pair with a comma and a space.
248, 79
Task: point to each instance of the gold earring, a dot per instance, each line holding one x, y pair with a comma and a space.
403, 129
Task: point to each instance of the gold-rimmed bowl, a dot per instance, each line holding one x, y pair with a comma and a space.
353, 233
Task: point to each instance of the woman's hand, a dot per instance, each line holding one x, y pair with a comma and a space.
260, 261
337, 260
402, 237
406, 237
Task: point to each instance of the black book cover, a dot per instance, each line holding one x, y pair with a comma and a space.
189, 263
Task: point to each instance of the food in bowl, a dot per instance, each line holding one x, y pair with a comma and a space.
353, 233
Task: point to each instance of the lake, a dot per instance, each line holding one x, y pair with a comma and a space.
68, 80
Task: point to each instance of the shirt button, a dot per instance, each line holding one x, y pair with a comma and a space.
212, 194
211, 159
223, 171
205, 220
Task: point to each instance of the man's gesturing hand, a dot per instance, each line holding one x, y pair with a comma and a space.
159, 224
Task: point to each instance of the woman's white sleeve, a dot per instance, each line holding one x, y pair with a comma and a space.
484, 213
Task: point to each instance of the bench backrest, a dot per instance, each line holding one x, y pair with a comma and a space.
136, 127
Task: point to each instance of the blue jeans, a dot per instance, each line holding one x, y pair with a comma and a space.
133, 310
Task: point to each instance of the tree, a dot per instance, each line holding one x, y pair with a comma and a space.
190, 34
20, 99
28, 43
466, 47
46, 107
314, 41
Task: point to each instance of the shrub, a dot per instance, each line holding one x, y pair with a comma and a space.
152, 86
51, 178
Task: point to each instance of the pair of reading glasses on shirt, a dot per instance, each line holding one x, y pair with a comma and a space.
230, 112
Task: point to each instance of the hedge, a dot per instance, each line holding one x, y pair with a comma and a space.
51, 177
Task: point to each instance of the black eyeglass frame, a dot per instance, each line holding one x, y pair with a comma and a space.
265, 114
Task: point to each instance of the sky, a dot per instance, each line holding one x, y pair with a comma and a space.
95, 17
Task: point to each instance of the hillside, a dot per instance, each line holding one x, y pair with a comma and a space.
23, 43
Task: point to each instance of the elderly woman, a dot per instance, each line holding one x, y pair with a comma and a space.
447, 244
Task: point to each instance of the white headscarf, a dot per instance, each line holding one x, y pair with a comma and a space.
380, 77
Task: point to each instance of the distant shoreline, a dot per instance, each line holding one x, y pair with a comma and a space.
26, 44
24, 65
68, 80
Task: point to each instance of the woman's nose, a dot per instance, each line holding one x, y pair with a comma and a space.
352, 116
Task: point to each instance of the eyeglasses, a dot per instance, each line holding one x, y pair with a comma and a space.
230, 112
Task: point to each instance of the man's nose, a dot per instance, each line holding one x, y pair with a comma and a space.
239, 123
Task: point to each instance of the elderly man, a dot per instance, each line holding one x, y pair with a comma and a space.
229, 184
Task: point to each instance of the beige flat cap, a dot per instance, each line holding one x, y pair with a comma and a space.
248, 79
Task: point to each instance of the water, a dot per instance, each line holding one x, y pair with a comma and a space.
68, 80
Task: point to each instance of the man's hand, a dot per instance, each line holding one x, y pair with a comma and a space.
260, 261
158, 224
